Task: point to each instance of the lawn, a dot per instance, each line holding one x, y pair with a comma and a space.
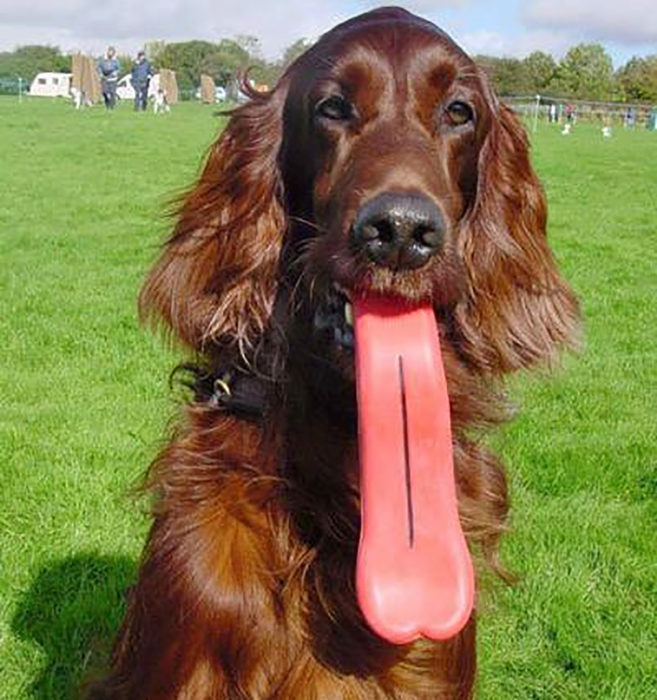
86, 402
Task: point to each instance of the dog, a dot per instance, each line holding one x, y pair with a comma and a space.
160, 104
381, 165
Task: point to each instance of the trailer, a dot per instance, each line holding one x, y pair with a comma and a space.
51, 85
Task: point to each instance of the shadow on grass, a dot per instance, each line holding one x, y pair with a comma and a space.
72, 611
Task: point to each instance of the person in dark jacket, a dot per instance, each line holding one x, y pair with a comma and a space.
108, 68
140, 78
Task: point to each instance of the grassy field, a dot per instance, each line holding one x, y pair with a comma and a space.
85, 402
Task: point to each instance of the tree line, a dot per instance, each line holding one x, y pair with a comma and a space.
585, 72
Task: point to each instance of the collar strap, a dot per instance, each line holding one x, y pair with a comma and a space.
242, 395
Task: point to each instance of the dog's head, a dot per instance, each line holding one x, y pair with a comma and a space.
381, 162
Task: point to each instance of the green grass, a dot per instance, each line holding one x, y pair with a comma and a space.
85, 402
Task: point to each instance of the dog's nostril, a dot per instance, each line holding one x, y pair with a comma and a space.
428, 236
376, 231
387, 230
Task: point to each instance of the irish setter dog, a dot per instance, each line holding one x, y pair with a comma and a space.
383, 164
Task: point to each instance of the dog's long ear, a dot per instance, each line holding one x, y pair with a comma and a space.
518, 310
215, 280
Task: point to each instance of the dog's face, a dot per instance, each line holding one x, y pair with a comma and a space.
386, 127
380, 163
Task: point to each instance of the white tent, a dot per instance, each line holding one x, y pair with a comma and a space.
51, 85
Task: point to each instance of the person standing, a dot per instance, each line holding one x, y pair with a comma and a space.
108, 69
553, 113
629, 118
140, 78
570, 114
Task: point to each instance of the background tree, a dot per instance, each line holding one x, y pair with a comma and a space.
293, 51
225, 62
249, 44
153, 50
187, 58
638, 79
265, 73
508, 75
27, 61
125, 64
585, 72
255, 67
539, 71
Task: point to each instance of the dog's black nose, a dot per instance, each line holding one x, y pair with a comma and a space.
400, 231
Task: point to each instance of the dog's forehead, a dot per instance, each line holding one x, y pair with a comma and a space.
386, 27
389, 37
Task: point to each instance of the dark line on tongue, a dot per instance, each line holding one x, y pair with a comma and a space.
407, 459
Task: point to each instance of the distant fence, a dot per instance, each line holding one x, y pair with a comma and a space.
13, 86
543, 108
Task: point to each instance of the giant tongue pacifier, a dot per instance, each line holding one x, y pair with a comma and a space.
414, 573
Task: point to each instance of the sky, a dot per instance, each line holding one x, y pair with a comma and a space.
504, 28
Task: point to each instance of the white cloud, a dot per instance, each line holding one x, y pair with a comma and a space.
495, 44
89, 25
481, 42
622, 21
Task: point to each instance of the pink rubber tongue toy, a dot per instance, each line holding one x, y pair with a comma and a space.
414, 573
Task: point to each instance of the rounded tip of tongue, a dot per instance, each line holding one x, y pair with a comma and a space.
414, 573
415, 599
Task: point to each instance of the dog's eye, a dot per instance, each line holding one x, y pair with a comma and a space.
335, 108
459, 113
